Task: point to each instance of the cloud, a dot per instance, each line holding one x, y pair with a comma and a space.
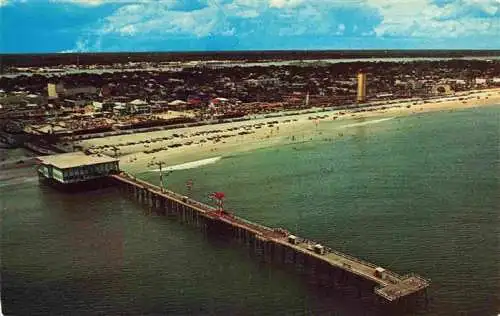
285, 3
160, 19
92, 3
126, 22
82, 2
81, 46
79, 2
426, 18
340, 29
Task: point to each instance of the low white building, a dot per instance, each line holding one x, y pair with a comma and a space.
480, 81
138, 107
119, 109
76, 167
97, 106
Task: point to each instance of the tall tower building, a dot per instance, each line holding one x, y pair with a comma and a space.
54, 90
361, 87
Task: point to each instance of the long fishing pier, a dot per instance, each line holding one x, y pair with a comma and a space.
278, 244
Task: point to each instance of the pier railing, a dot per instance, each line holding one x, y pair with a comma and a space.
390, 276
422, 282
261, 227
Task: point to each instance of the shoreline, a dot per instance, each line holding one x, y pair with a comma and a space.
184, 145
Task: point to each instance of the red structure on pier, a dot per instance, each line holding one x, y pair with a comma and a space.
219, 196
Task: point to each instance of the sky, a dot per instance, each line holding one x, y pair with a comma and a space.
41, 26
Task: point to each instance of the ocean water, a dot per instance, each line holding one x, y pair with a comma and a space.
413, 194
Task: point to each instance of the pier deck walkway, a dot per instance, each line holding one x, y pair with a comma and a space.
391, 286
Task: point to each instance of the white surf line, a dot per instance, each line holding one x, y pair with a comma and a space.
368, 122
191, 165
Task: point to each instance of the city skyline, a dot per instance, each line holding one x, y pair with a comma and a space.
52, 26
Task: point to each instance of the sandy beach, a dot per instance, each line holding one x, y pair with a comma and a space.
206, 143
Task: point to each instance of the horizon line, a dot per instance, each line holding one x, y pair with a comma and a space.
487, 50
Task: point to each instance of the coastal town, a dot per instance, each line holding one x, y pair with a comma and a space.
249, 157
66, 108
88, 128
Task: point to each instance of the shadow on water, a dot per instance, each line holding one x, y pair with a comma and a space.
327, 297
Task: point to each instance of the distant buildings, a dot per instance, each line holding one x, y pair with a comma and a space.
441, 89
196, 100
119, 109
97, 106
227, 92
177, 105
58, 90
74, 103
138, 107
480, 82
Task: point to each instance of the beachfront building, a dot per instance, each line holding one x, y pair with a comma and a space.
119, 109
75, 167
441, 89
138, 107
96, 107
177, 105
480, 82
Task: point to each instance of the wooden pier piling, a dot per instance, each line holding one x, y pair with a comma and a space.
326, 268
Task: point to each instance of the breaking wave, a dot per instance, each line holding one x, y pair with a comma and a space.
192, 164
369, 122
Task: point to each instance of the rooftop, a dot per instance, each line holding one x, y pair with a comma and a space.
138, 102
74, 159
